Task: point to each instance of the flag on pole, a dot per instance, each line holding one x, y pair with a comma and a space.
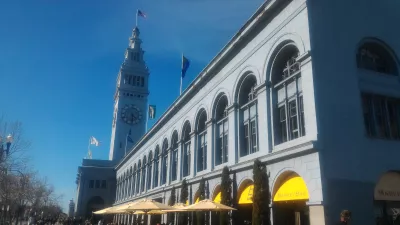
90, 154
128, 137
94, 141
185, 65
142, 14
152, 111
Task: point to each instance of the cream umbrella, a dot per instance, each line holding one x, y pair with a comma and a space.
152, 212
178, 207
147, 205
208, 205
103, 211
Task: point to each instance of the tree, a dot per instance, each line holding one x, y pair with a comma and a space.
226, 194
202, 195
20, 188
171, 202
261, 195
183, 217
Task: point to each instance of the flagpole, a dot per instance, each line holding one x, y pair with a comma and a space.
137, 12
147, 116
89, 147
126, 142
180, 92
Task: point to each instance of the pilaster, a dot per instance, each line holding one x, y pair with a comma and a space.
262, 119
232, 135
210, 145
169, 160
180, 161
192, 154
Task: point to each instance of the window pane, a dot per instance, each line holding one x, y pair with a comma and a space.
103, 184
246, 140
281, 94
293, 120
91, 183
253, 136
282, 122
380, 117
393, 118
368, 118
225, 150
97, 183
291, 89
245, 114
253, 111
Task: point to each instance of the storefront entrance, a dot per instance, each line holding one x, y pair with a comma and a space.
289, 200
387, 198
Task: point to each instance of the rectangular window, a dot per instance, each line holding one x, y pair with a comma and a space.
103, 184
282, 123
138, 81
97, 183
91, 184
301, 111
186, 155
130, 80
294, 129
156, 173
246, 141
142, 81
253, 136
381, 116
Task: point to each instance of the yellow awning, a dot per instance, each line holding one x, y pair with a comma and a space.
197, 200
247, 195
292, 189
217, 198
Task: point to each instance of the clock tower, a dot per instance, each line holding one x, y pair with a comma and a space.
130, 100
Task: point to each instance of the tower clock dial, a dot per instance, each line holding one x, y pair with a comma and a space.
131, 114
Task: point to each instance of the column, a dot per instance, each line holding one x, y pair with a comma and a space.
192, 154
232, 135
210, 145
180, 161
144, 170
262, 124
168, 178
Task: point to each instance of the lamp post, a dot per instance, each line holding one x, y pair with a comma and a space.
4, 152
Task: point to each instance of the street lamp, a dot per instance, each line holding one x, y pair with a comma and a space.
9, 140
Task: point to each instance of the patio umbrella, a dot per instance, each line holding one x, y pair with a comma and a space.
103, 211
178, 207
152, 212
147, 205
208, 205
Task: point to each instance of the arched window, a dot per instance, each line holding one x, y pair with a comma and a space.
174, 160
221, 134
156, 166
134, 180
138, 172
143, 174
287, 95
149, 170
248, 116
186, 149
373, 55
201, 141
164, 162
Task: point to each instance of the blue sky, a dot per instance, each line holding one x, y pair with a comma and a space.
59, 61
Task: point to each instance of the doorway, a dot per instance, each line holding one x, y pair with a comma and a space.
291, 213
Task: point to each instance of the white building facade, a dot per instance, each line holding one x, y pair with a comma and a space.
310, 88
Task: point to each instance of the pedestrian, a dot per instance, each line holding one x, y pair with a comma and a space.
345, 217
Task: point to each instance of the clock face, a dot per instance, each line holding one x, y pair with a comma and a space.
131, 114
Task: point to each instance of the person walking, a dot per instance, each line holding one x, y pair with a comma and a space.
345, 217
